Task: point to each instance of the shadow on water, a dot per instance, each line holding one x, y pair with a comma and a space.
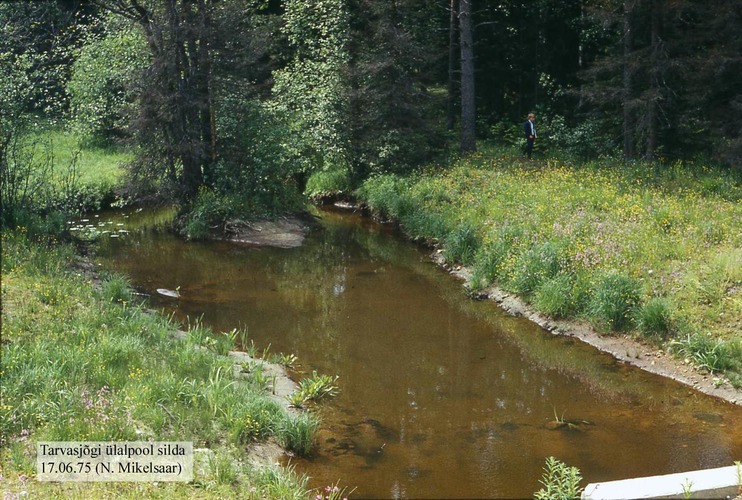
441, 396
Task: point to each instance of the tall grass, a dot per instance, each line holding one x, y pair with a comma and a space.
647, 248
86, 364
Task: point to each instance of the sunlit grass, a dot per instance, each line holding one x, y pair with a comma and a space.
95, 163
81, 363
77, 174
644, 248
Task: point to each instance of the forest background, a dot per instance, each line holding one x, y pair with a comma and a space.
253, 103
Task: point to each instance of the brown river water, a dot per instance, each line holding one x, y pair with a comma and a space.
441, 396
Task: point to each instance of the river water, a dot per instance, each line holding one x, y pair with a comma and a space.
440, 396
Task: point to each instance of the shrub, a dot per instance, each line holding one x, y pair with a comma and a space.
208, 209
614, 301
561, 482
326, 183
100, 86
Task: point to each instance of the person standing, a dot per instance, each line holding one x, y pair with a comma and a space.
529, 129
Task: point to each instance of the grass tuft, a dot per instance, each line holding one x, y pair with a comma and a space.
615, 299
655, 318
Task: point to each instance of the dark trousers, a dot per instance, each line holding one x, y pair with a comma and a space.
529, 147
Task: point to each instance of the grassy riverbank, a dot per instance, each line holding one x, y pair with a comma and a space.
653, 250
86, 363
82, 361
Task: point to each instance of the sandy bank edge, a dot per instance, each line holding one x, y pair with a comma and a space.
622, 347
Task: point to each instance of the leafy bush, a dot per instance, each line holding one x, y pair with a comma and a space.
101, 85
614, 301
585, 140
258, 172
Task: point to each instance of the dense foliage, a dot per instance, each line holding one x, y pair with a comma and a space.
358, 87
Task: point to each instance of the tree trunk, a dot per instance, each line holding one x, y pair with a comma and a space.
655, 76
451, 104
626, 94
179, 106
468, 103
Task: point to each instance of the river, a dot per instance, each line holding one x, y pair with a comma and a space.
441, 396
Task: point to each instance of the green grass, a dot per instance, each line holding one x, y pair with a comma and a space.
652, 249
88, 364
50, 172
99, 170
96, 164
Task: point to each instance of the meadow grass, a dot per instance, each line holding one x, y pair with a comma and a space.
85, 363
99, 168
651, 249
98, 165
61, 171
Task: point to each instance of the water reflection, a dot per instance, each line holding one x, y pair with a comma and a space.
440, 396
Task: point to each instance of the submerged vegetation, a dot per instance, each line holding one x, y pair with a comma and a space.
651, 249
